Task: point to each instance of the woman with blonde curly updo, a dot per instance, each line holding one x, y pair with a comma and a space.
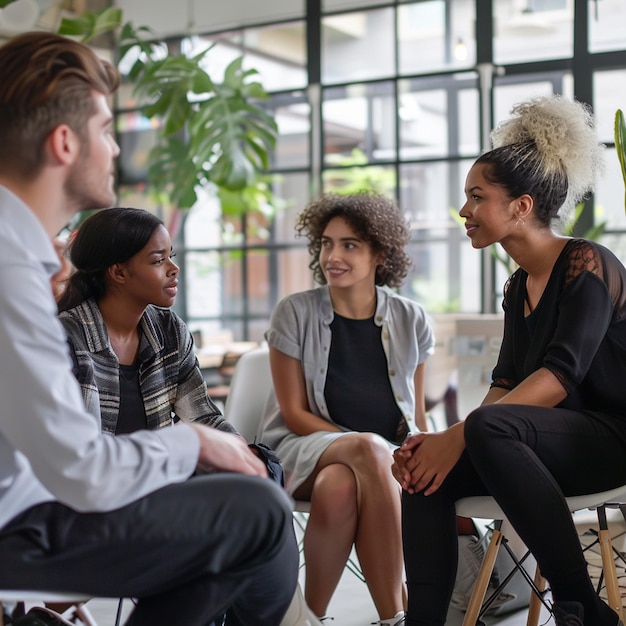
553, 423
348, 362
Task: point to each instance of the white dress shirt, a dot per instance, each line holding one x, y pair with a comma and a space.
50, 447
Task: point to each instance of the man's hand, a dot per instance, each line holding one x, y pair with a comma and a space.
226, 452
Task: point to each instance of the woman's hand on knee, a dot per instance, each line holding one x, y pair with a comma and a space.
401, 456
433, 459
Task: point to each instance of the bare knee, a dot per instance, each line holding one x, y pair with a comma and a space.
367, 454
334, 497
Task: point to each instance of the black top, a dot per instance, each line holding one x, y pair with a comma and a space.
358, 392
577, 330
132, 413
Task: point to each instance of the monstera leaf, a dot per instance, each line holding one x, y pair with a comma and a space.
210, 131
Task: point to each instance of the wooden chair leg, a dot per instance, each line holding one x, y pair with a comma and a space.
534, 608
482, 581
608, 564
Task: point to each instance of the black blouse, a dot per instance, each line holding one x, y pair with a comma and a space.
358, 392
577, 330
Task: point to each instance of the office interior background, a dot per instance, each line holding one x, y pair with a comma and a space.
396, 96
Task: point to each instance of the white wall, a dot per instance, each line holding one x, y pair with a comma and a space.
168, 17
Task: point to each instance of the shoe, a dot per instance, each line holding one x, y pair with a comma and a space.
396, 620
299, 613
471, 555
568, 613
42, 616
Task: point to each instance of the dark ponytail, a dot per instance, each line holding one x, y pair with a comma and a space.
108, 237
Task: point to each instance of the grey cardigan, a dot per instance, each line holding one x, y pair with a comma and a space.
300, 328
170, 379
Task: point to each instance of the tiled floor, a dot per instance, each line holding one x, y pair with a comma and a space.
352, 605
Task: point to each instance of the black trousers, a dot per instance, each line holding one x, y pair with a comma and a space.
187, 552
528, 459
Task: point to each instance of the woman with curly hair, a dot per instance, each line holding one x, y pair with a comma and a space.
347, 362
553, 423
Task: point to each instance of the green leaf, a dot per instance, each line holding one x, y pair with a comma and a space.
91, 24
620, 144
6, 3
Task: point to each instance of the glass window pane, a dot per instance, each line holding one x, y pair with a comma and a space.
606, 25
225, 48
293, 116
258, 281
359, 118
609, 195
378, 178
508, 92
293, 189
278, 53
293, 271
609, 95
136, 135
436, 34
424, 122
430, 196
438, 116
329, 6
469, 125
203, 284
139, 197
616, 243
358, 46
531, 31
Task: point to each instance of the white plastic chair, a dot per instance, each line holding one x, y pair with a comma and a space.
38, 598
485, 507
249, 390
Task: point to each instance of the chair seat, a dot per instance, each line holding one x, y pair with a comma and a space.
485, 507
13, 595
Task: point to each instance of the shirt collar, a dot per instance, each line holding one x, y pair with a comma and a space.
382, 299
28, 230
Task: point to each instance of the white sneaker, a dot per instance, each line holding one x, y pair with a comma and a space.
299, 613
396, 620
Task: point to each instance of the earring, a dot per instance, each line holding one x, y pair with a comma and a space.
520, 223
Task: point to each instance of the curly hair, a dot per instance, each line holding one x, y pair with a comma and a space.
376, 219
548, 149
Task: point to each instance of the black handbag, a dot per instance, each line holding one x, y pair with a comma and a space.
271, 461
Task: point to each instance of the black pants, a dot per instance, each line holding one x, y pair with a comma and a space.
528, 459
187, 552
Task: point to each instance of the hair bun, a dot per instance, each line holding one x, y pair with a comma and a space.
563, 132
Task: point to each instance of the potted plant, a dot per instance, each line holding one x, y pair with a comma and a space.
210, 131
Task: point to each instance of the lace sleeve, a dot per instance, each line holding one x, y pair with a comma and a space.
583, 257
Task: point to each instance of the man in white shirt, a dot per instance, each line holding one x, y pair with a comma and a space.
79, 510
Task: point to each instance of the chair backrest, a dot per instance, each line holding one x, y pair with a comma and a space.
249, 389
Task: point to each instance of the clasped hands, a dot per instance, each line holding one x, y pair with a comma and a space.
424, 460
